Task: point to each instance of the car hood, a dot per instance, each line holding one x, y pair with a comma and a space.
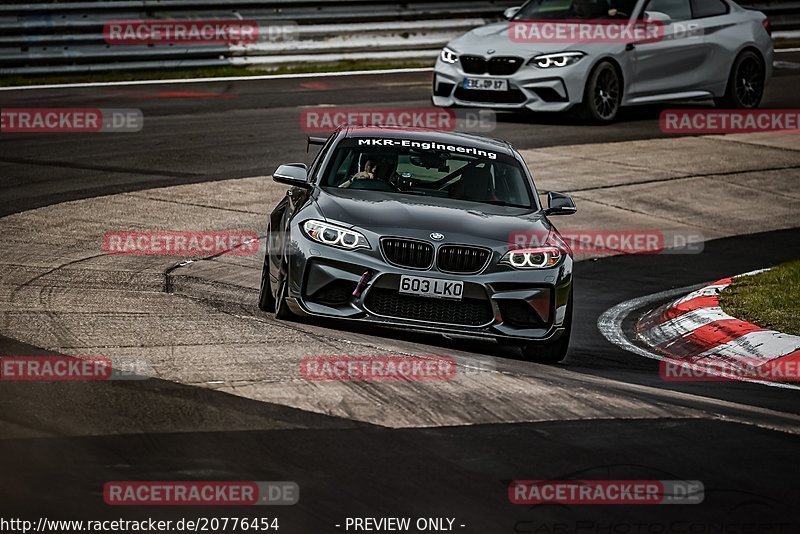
496, 37
418, 216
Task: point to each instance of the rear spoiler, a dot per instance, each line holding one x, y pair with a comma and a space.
315, 141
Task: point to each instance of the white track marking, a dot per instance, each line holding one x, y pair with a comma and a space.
610, 322
240, 78
218, 79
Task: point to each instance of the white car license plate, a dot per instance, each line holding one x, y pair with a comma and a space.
486, 84
431, 287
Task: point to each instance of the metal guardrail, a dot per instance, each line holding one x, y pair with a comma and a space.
61, 37
784, 16
66, 36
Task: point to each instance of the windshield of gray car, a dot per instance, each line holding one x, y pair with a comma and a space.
433, 169
576, 9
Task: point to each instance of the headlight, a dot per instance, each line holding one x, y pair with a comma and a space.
556, 60
549, 254
532, 258
334, 236
448, 56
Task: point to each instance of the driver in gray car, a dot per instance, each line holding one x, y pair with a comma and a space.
376, 167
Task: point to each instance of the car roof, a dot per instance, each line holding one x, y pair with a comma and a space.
437, 136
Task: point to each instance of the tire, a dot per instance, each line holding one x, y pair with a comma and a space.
746, 81
266, 302
602, 95
555, 352
282, 310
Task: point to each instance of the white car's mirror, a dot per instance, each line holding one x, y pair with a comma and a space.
658, 16
511, 11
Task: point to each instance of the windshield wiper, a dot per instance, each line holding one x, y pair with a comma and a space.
418, 193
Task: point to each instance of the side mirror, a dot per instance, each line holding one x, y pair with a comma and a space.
511, 11
657, 16
295, 174
559, 204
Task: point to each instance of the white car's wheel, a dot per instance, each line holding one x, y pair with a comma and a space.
602, 95
745, 87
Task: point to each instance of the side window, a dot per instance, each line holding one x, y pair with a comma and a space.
676, 9
708, 8
341, 168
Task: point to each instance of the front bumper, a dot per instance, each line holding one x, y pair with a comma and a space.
499, 302
554, 89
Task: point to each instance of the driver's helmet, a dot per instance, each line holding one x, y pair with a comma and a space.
385, 165
364, 160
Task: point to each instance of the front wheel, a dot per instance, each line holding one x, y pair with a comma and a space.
603, 94
745, 87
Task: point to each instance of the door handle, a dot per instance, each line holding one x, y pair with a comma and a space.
629, 47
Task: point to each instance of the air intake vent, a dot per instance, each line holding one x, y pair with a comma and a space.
466, 312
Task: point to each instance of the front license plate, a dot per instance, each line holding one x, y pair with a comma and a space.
486, 84
431, 287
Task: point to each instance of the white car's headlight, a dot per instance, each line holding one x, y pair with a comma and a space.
448, 56
334, 236
556, 60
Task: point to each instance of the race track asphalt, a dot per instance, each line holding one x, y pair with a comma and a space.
739, 439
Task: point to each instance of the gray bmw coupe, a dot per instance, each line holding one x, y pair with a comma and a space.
421, 229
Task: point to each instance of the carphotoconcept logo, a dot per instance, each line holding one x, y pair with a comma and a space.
327, 119
70, 120
205, 493
720, 121
592, 492
175, 243
378, 368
